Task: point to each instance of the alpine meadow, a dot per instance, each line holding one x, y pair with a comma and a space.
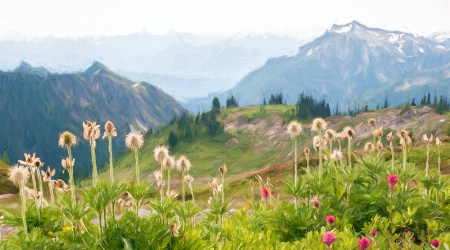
344, 144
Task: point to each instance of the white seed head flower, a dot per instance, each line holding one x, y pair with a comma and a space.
307, 151
214, 184
29, 160
369, 146
390, 137
110, 130
188, 178
160, 153
169, 162
223, 169
172, 193
378, 132
183, 164
60, 186
330, 134
319, 142
428, 139
67, 139
294, 129
134, 140
336, 155
379, 145
438, 141
158, 175
371, 122
17, 174
47, 175
38, 163
318, 125
65, 163
349, 132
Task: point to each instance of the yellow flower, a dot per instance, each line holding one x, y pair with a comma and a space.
68, 228
50, 233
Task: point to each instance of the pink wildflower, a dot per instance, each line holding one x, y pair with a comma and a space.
373, 232
316, 203
329, 238
392, 180
435, 243
265, 192
330, 219
363, 243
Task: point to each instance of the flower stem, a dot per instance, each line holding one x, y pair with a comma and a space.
136, 157
36, 199
168, 180
111, 166
71, 181
52, 195
223, 188
23, 207
427, 165
295, 162
183, 188
349, 152
41, 197
94, 165
392, 154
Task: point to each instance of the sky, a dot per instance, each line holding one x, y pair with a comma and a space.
306, 19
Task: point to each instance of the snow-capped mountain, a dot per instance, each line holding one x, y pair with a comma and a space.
352, 64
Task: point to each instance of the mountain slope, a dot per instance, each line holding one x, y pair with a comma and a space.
351, 64
36, 107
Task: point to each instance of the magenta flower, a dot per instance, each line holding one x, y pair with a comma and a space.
392, 180
316, 203
373, 232
330, 219
329, 238
435, 243
265, 192
363, 243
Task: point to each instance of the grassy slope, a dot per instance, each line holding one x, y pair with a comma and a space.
255, 151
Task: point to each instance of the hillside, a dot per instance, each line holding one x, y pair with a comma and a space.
255, 141
350, 65
36, 106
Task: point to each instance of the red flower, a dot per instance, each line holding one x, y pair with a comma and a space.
392, 180
373, 232
330, 219
265, 192
329, 238
435, 243
363, 243
316, 203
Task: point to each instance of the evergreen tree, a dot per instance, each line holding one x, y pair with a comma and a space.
215, 104
386, 105
413, 103
231, 102
173, 139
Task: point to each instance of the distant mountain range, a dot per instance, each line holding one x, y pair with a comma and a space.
182, 65
349, 65
36, 106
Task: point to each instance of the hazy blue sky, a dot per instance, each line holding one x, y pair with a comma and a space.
305, 19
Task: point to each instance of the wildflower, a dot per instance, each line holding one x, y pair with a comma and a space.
110, 130
125, 200
91, 131
172, 194
330, 134
378, 132
173, 230
47, 175
169, 162
373, 232
67, 164
392, 180
330, 219
329, 238
294, 129
371, 122
38, 163
349, 132
157, 174
66, 229
316, 204
435, 243
426, 139
390, 137
188, 179
183, 164
67, 139
50, 233
29, 160
368, 146
265, 192
363, 243
214, 185
223, 169
160, 153
134, 140
336, 155
18, 175
307, 151
318, 125
438, 141
60, 186
319, 143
